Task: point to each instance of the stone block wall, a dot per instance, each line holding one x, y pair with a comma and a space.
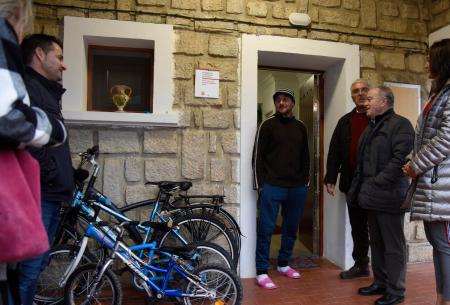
392, 36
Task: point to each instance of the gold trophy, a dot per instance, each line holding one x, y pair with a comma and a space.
120, 94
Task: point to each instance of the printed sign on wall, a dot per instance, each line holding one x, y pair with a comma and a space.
206, 83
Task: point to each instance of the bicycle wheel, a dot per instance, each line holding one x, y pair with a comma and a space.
226, 218
48, 290
80, 286
200, 228
206, 253
222, 287
66, 234
209, 253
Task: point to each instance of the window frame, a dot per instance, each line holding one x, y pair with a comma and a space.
81, 32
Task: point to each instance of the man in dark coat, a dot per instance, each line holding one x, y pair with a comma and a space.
44, 59
342, 159
380, 187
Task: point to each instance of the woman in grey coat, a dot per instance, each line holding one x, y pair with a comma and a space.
429, 166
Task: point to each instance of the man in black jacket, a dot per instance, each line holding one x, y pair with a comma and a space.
281, 169
44, 59
341, 159
380, 187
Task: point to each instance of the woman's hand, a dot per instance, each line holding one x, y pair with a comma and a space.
408, 171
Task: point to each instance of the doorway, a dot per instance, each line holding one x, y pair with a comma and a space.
306, 87
340, 63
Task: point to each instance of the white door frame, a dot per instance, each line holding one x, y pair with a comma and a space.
340, 63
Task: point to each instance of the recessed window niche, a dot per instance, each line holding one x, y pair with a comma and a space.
135, 58
119, 75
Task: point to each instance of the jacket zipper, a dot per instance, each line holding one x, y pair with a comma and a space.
434, 177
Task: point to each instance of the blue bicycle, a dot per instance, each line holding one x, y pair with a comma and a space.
176, 278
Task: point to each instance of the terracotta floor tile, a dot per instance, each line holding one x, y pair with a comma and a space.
322, 286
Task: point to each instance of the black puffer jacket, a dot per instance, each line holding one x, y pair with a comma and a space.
57, 182
379, 183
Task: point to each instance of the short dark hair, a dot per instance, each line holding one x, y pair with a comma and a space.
387, 93
34, 41
439, 58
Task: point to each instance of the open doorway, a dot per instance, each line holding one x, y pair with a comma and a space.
340, 63
306, 86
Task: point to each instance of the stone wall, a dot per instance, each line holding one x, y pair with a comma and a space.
392, 36
439, 14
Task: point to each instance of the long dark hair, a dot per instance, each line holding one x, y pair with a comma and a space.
440, 63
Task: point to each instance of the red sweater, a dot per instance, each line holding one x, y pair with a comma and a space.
359, 123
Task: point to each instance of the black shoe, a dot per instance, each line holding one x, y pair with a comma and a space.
372, 290
354, 271
390, 299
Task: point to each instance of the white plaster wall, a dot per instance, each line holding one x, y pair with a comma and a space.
439, 34
266, 83
341, 65
81, 32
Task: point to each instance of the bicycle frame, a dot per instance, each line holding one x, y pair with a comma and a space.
105, 205
139, 266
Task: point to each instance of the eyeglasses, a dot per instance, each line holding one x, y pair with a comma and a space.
360, 90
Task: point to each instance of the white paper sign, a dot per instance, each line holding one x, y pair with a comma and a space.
207, 83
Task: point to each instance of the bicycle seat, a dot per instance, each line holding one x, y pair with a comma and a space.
171, 186
185, 252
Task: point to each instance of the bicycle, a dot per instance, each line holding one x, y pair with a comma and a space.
205, 226
96, 284
49, 286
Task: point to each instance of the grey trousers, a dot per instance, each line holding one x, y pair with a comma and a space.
436, 235
388, 249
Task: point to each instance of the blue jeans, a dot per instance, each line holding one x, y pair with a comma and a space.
292, 201
30, 269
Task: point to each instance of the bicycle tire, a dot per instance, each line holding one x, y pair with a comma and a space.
225, 283
81, 280
200, 228
211, 253
67, 234
48, 290
226, 218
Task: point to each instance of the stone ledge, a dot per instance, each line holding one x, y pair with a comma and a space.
87, 118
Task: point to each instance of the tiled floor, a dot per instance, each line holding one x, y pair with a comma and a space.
322, 286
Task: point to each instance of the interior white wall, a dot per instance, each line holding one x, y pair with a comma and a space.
341, 65
266, 87
439, 35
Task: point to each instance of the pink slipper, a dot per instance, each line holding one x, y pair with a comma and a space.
291, 273
266, 283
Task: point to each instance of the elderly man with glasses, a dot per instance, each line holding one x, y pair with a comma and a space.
342, 159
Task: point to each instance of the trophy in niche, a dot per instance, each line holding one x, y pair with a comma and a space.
120, 95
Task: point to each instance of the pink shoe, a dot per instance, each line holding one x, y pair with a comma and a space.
266, 283
291, 273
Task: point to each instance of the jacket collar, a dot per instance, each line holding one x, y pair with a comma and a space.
283, 118
382, 116
54, 88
